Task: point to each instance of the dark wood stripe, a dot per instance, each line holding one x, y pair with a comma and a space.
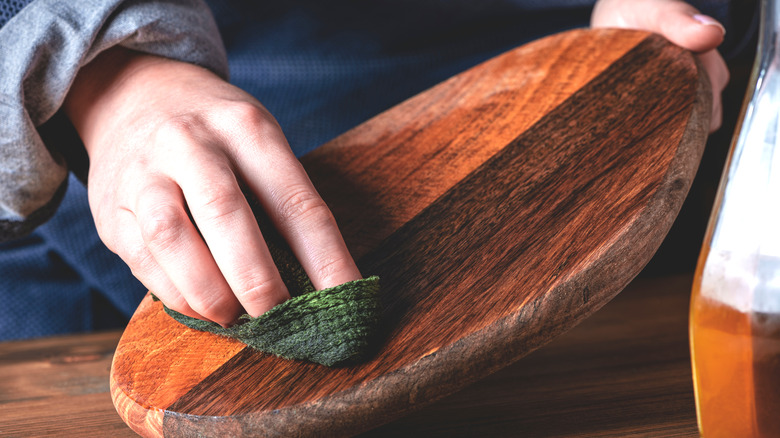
364, 174
538, 206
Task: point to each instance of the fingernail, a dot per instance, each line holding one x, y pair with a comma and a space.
709, 21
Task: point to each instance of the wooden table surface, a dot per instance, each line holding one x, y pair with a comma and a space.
624, 371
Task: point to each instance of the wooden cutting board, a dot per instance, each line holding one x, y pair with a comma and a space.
499, 208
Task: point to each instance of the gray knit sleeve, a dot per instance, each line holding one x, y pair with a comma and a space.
42, 49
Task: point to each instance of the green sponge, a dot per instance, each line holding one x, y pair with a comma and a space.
332, 327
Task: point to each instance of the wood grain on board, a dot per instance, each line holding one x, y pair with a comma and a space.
499, 208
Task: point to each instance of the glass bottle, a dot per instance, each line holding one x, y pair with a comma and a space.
735, 304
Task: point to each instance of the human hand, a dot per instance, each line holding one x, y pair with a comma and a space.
166, 138
681, 24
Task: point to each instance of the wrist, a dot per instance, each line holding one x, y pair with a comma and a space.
101, 89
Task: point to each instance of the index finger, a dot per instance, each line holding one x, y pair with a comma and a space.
289, 198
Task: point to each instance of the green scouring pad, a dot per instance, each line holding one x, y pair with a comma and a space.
334, 326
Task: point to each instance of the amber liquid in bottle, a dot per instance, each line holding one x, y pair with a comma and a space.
736, 363
766, 372
735, 305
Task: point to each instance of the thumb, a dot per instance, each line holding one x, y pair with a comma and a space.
683, 25
676, 20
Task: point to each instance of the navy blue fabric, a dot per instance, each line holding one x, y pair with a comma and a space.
9, 8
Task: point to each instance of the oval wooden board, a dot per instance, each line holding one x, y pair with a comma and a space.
499, 208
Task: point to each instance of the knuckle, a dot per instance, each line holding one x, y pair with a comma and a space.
302, 204
220, 182
220, 201
175, 128
177, 303
329, 268
253, 287
249, 114
264, 293
162, 225
139, 259
212, 306
250, 124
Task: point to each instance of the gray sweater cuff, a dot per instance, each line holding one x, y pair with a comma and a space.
42, 49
